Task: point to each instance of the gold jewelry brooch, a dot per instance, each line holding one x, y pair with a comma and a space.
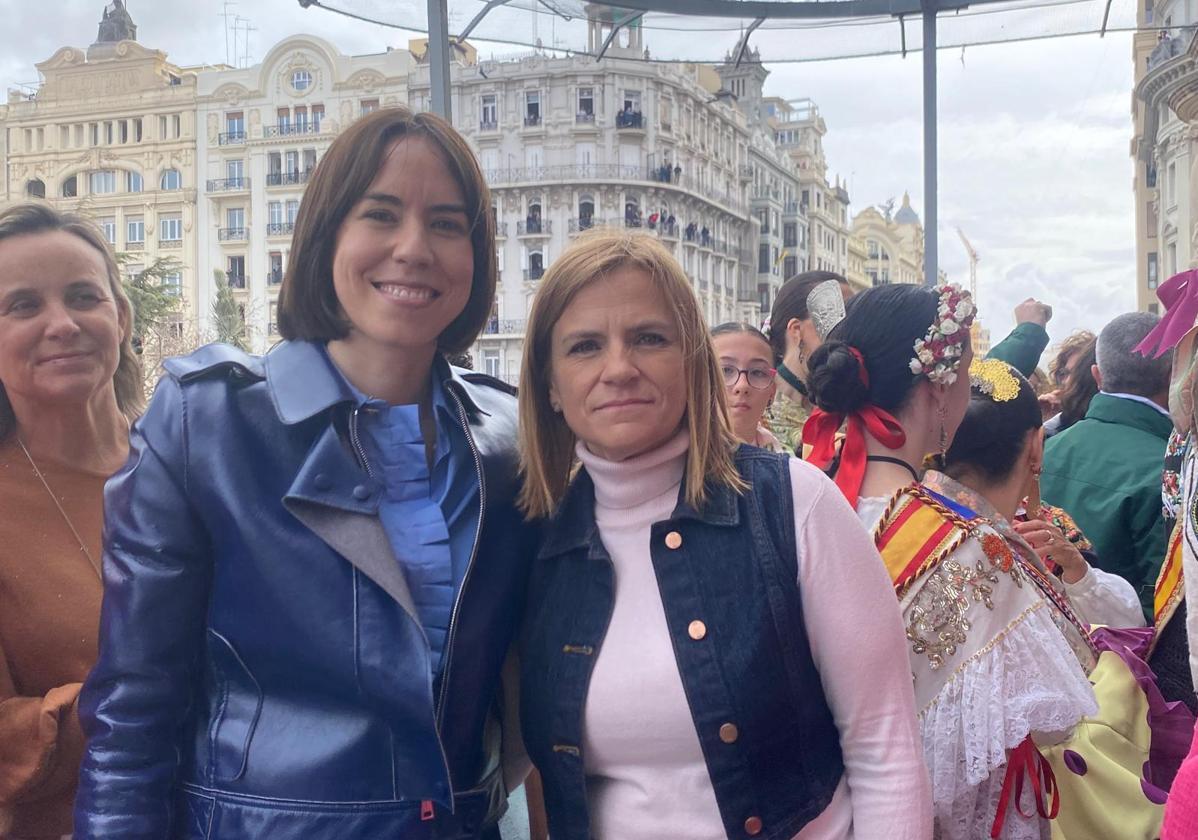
994, 379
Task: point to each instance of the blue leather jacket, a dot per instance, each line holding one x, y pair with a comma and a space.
262, 670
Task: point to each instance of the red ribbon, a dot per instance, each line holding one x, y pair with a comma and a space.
1026, 761
819, 432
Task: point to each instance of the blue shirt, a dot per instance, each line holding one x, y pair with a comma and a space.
430, 516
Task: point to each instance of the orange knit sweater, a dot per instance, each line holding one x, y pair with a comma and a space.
49, 615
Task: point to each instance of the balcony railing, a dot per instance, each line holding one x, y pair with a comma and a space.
290, 129
630, 119
236, 281
505, 326
614, 172
583, 118
500, 229
536, 272
669, 230
231, 138
280, 228
169, 244
135, 246
534, 227
578, 225
228, 184
233, 234
791, 208
532, 120
295, 176
275, 277
488, 125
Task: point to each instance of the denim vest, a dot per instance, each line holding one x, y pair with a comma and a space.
768, 737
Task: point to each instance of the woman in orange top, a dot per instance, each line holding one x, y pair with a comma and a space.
69, 382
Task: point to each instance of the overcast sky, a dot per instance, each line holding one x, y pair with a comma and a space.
1034, 137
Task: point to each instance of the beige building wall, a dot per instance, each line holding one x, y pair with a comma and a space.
110, 132
893, 244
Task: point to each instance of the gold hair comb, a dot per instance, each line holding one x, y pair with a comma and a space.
994, 379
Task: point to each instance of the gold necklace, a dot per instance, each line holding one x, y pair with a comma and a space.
61, 510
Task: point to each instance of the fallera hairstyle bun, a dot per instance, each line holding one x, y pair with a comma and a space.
993, 434
882, 324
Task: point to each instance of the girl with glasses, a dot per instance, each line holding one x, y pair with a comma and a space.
744, 355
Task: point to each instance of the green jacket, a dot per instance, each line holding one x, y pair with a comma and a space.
1022, 348
1105, 471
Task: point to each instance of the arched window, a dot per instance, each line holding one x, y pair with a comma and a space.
35, 188
70, 187
171, 180
586, 211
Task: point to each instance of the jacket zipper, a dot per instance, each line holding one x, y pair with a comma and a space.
427, 811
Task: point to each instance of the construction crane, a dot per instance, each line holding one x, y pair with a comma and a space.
973, 264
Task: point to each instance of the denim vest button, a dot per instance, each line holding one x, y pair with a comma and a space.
673, 540
361, 492
753, 826
729, 733
696, 630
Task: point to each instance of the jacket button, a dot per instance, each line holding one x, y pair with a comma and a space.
673, 540
729, 733
361, 492
753, 826
696, 630
322, 482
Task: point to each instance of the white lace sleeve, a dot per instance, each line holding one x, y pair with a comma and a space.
1025, 680
1103, 598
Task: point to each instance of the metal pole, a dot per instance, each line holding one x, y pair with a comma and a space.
930, 250
438, 57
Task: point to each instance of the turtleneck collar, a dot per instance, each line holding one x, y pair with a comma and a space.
622, 485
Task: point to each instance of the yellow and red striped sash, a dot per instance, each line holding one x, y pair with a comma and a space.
915, 534
1170, 587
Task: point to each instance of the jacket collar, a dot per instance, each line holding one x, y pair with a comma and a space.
573, 527
303, 382
1108, 409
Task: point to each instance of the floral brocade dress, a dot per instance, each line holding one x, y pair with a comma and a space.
1113, 768
997, 663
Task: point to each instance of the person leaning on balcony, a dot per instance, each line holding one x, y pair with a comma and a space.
685, 670
314, 564
70, 382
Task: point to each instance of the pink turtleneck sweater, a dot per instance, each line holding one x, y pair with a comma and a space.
646, 777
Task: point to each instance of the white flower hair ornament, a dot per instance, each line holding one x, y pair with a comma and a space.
938, 353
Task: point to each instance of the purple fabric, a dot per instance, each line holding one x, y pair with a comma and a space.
1171, 723
1179, 294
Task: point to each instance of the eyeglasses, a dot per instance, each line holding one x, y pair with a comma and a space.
759, 378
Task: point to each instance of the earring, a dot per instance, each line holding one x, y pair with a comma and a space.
943, 413
556, 407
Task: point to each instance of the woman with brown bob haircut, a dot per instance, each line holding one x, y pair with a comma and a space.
314, 562
692, 655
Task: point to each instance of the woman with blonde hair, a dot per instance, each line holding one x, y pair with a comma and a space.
692, 663
69, 385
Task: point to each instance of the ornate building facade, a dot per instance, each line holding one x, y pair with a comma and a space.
892, 244
110, 132
1165, 146
262, 131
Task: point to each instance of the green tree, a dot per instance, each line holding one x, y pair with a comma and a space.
154, 302
228, 318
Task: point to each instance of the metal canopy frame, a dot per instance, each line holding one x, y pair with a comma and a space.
759, 11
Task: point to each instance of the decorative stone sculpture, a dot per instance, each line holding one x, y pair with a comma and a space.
116, 25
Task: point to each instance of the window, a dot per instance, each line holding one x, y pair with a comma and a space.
35, 188
309, 160
171, 179
133, 182
586, 101
70, 187
291, 162
491, 363
235, 172
273, 321
173, 283
137, 129
274, 212
236, 272
102, 182
235, 218
284, 120
276, 268
1153, 271
135, 230
368, 106
532, 107
1171, 259
235, 125
1171, 186
763, 258
170, 228
301, 80
317, 117
177, 125
301, 120
107, 226
292, 211
489, 111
